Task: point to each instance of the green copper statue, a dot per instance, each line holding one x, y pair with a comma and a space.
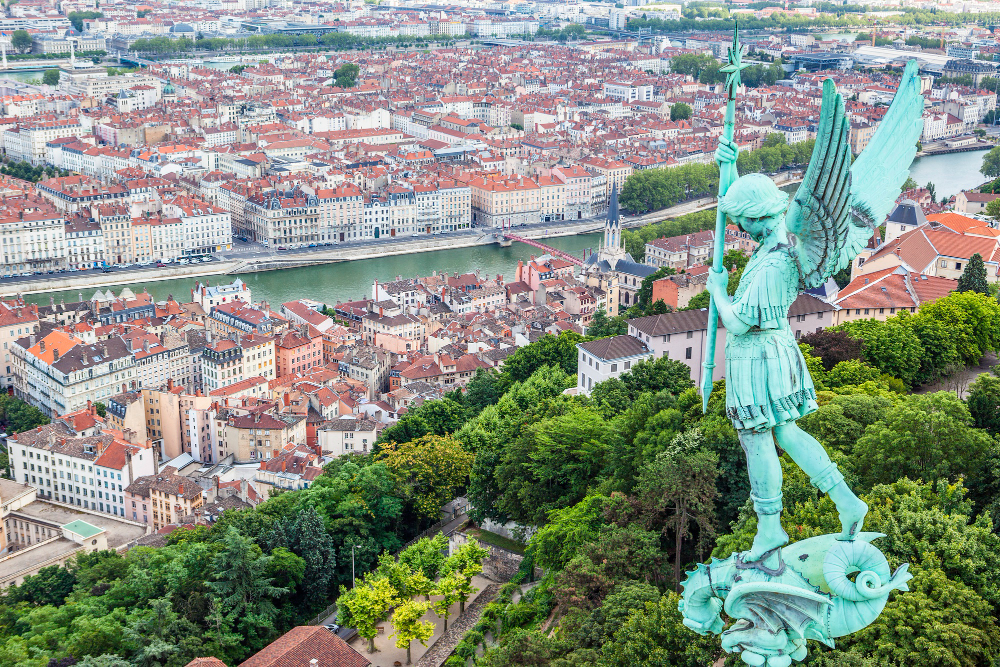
781, 601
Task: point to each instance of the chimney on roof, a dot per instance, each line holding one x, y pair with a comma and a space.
41, 345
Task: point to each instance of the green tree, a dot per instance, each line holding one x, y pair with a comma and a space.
480, 392
313, 544
20, 40
102, 410
77, 18
50, 586
366, 606
549, 350
984, 403
925, 437
565, 531
991, 163
891, 346
682, 111
448, 588
245, 592
680, 487
602, 326
698, 301
406, 621
938, 622
425, 555
973, 278
346, 76
971, 320
552, 464
656, 636
467, 561
429, 471
993, 209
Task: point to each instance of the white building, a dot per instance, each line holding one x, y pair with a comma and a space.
608, 358
88, 470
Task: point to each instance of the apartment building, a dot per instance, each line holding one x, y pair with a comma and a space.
16, 321
283, 219
88, 471
209, 296
27, 142
259, 436
59, 373
298, 350
367, 364
205, 228
606, 358
32, 235
341, 212
226, 361
349, 434
237, 318
505, 201
159, 359
162, 498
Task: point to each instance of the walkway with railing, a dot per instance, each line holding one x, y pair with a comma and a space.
555, 252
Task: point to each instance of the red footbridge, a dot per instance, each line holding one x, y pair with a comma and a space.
572, 259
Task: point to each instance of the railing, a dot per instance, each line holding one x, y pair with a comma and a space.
432, 530
323, 614
572, 259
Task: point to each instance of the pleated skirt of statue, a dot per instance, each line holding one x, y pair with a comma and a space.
767, 382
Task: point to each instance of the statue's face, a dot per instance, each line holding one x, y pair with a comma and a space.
758, 228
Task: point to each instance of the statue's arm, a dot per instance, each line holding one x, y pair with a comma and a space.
717, 283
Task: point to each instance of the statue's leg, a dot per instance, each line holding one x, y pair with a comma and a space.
809, 455
765, 485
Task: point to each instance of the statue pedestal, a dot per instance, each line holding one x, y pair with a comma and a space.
798, 592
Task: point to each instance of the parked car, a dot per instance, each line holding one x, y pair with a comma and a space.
281, 247
160, 265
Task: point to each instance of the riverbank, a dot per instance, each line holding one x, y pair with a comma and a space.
66, 282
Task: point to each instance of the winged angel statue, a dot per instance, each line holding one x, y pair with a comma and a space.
830, 585
832, 217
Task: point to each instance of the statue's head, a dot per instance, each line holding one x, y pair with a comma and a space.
755, 203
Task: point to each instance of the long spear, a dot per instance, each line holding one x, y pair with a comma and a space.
733, 80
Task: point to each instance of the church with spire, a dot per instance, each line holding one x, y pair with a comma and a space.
612, 268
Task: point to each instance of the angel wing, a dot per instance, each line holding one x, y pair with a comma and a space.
837, 208
772, 607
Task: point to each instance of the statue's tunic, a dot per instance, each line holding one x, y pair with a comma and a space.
767, 382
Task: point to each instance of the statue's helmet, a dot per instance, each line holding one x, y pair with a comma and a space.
753, 196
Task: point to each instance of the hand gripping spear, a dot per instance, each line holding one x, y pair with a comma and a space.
733, 80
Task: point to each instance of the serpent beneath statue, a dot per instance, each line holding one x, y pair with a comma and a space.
806, 593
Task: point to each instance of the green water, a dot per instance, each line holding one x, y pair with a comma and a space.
950, 173
344, 281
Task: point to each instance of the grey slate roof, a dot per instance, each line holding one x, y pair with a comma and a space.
615, 347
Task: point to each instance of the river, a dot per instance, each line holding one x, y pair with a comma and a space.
344, 281
950, 173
